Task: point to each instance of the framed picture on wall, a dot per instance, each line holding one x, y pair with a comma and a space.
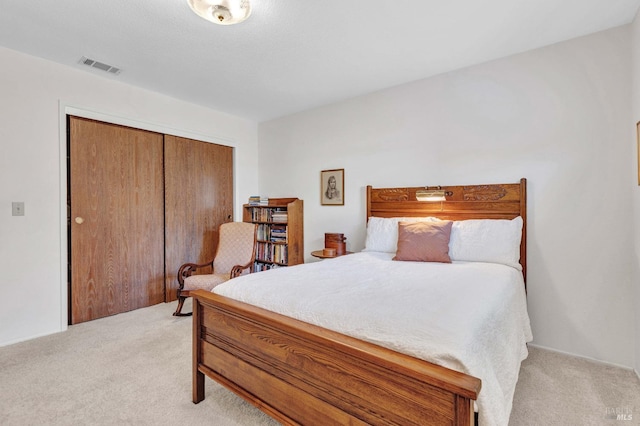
332, 187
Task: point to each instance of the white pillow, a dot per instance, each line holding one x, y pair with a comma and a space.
382, 232
487, 240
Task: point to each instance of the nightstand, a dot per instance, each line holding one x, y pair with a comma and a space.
320, 255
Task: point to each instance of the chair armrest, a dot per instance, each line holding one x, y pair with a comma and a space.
188, 269
237, 269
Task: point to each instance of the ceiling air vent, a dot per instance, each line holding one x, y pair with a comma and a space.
101, 66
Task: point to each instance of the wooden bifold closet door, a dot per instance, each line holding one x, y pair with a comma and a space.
117, 219
141, 204
199, 198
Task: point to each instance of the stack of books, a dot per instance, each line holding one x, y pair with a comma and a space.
256, 200
279, 216
278, 233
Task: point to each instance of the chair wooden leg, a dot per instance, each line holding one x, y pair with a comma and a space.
178, 312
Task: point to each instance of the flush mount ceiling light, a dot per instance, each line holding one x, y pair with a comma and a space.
222, 12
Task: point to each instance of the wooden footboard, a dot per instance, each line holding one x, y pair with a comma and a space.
303, 374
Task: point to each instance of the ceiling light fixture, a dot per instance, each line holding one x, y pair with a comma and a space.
222, 12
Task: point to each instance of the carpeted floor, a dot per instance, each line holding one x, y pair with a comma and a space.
135, 369
128, 369
557, 389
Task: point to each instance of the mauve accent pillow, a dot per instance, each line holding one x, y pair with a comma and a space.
424, 241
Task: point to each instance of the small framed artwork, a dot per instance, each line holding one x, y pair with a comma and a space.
332, 187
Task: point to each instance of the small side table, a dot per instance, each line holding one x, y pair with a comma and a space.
319, 254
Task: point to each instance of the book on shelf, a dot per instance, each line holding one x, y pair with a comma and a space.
275, 215
273, 253
258, 266
263, 232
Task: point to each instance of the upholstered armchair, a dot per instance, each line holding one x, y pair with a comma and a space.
234, 257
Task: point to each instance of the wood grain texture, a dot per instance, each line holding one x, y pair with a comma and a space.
116, 187
299, 373
198, 199
309, 375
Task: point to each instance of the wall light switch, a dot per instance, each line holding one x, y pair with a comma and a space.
17, 208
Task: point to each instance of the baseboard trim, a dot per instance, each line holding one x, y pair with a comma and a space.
599, 361
27, 338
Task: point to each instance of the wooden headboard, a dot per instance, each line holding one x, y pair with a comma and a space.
493, 201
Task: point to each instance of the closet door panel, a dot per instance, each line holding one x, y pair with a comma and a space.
198, 199
116, 219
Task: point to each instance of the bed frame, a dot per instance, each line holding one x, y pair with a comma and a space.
299, 373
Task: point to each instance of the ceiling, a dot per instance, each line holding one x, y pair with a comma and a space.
293, 55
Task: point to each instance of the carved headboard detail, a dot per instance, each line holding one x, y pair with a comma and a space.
483, 192
394, 194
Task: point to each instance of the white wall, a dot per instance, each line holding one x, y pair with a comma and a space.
635, 185
34, 95
558, 116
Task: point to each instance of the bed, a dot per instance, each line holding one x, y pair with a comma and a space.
300, 371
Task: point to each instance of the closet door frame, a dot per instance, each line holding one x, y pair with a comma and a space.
83, 112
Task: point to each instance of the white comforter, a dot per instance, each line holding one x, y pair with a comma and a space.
467, 316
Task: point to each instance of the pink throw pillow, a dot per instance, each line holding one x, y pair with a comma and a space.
424, 241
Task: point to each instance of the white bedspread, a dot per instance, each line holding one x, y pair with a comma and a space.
467, 316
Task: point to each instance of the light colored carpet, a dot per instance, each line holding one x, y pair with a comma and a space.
128, 369
135, 369
558, 389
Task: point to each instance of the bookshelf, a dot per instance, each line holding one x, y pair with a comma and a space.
280, 239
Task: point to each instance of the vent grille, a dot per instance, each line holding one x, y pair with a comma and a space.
99, 65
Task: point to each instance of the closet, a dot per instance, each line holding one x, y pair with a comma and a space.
140, 204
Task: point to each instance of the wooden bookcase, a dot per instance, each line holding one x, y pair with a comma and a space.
280, 232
